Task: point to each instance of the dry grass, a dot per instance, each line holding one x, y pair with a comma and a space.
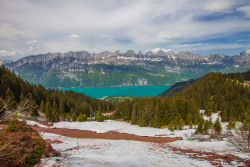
114, 135
16, 147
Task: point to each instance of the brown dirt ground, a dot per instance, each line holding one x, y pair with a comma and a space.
114, 135
213, 158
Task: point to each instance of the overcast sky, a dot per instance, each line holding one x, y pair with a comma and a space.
31, 27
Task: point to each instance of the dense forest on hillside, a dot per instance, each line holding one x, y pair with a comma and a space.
178, 86
213, 92
221, 92
54, 103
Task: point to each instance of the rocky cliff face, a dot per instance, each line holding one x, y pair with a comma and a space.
4, 62
132, 58
104, 68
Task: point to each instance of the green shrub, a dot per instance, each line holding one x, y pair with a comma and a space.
171, 126
199, 128
217, 126
34, 157
206, 127
231, 124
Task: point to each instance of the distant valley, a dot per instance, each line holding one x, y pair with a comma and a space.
83, 69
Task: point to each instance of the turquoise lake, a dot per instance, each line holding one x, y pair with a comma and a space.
99, 92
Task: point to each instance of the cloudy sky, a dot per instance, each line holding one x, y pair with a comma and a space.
29, 27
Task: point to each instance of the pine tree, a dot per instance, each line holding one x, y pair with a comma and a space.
48, 111
171, 126
42, 107
189, 120
74, 117
9, 98
22, 97
55, 112
199, 128
157, 116
242, 78
91, 113
180, 123
63, 116
176, 123
206, 127
134, 114
217, 126
68, 117
72, 111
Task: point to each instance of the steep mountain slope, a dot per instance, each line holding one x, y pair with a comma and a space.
82, 69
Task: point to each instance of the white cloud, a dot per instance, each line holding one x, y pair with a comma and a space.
32, 42
155, 50
74, 36
5, 53
111, 24
31, 48
209, 46
221, 5
245, 9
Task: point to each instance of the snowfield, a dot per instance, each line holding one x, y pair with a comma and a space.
122, 127
103, 152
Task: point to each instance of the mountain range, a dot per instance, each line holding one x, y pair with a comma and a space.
83, 69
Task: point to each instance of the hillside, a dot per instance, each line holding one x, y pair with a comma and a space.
213, 92
177, 87
55, 104
221, 92
83, 69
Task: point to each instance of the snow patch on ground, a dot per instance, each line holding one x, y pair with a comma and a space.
122, 127
214, 117
213, 146
103, 152
29, 122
